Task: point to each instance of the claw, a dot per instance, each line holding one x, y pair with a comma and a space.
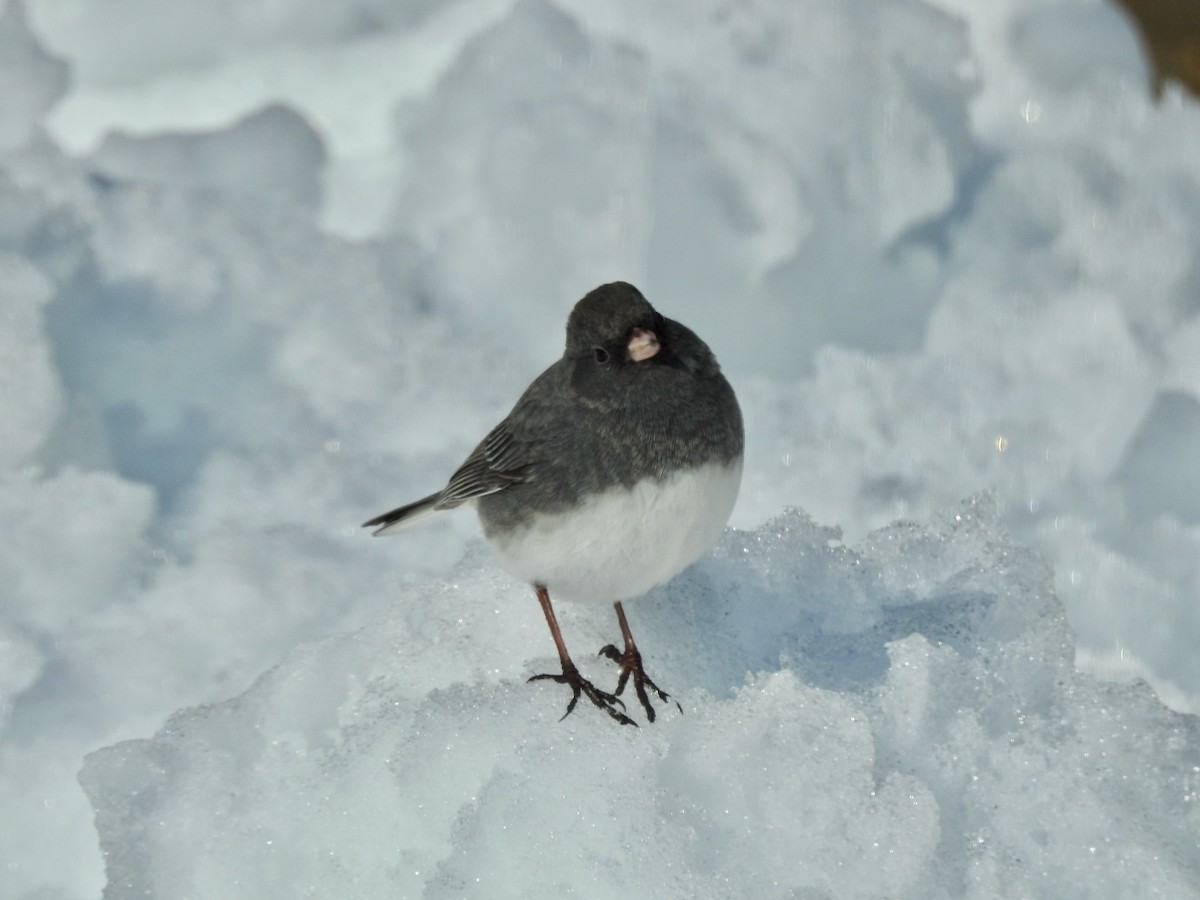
630, 662
580, 685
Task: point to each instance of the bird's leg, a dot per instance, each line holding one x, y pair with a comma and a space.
570, 675
630, 662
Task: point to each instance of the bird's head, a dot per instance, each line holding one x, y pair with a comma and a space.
615, 337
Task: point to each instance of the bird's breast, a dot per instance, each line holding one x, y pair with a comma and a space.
620, 543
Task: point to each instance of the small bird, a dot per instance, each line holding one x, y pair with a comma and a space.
616, 470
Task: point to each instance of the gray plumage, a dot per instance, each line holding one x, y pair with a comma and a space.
596, 420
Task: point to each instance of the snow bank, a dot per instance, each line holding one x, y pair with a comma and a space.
898, 719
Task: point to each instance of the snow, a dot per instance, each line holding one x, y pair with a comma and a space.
269, 269
913, 727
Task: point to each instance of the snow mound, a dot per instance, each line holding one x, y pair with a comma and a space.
898, 719
33, 80
270, 157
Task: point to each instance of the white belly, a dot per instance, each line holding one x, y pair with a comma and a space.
623, 542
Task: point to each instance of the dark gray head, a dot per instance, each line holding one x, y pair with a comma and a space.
615, 327
608, 316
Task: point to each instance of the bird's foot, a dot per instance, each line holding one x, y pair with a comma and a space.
580, 685
630, 663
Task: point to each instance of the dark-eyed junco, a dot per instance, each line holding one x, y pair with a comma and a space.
616, 470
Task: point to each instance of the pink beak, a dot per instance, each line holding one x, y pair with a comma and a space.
642, 345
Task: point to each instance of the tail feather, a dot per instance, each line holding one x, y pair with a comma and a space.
402, 517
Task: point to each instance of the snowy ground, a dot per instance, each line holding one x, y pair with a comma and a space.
268, 269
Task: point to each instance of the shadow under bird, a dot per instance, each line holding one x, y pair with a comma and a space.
616, 470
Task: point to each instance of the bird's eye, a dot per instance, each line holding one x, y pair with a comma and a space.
601, 355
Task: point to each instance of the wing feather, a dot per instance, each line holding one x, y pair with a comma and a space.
499, 461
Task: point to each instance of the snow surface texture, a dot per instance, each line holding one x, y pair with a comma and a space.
268, 269
915, 729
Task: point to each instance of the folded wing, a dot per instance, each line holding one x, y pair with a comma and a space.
499, 461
